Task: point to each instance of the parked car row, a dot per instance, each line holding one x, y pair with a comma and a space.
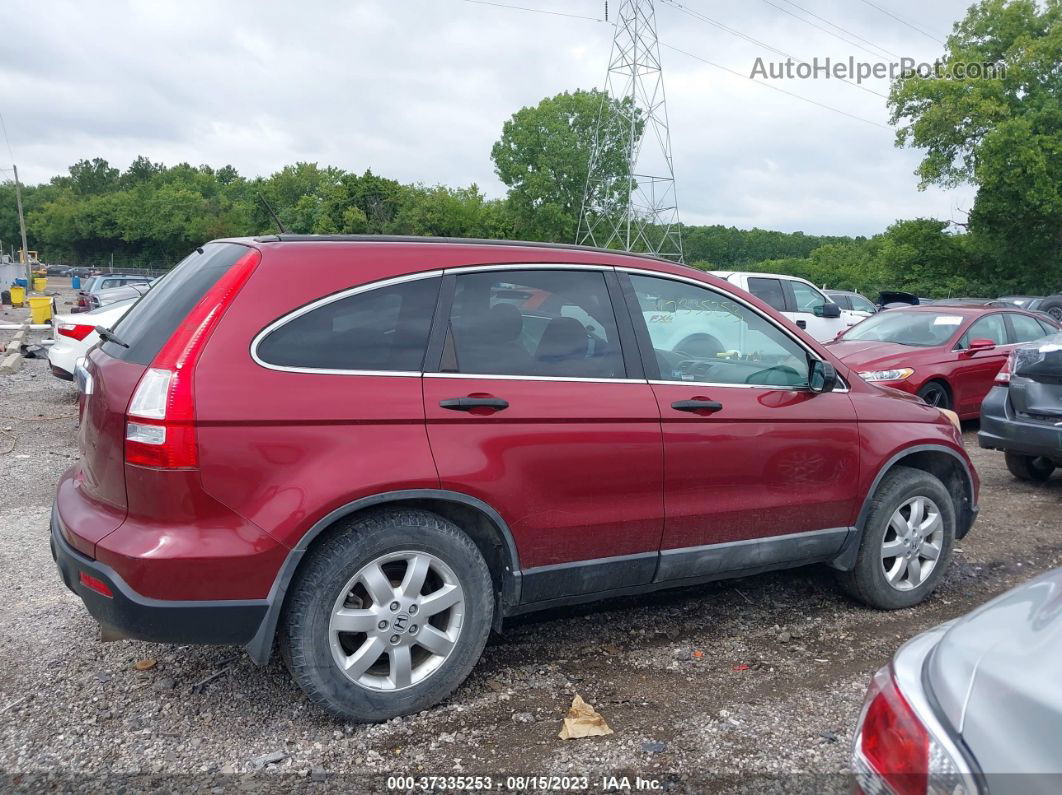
354, 469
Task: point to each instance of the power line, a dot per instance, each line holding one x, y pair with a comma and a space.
846, 30
534, 10
698, 15
830, 32
709, 63
3, 128
708, 20
902, 21
775, 88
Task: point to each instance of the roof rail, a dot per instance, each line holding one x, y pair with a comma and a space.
290, 238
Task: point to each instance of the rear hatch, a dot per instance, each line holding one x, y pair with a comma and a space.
116, 368
1036, 381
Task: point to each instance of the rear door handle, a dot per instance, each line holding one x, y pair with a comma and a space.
469, 403
697, 405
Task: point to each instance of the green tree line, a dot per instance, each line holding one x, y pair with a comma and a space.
1001, 133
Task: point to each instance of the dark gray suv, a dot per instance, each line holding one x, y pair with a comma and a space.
1022, 413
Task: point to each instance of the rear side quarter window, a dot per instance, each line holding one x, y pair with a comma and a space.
381, 328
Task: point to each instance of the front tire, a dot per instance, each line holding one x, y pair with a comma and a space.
388, 616
1030, 467
907, 541
935, 394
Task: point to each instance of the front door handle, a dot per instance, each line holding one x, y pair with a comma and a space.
697, 404
802, 324
470, 403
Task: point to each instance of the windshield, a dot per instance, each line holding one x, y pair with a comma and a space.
922, 329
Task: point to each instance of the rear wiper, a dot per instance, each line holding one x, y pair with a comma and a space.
108, 335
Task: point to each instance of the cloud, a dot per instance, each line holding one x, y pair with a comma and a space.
418, 90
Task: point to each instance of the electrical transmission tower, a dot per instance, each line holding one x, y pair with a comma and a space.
630, 201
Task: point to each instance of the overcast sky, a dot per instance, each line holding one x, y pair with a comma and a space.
417, 90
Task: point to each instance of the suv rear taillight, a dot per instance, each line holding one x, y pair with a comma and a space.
75, 331
160, 421
1003, 376
896, 752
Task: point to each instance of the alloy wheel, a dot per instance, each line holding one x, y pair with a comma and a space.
912, 543
396, 621
935, 396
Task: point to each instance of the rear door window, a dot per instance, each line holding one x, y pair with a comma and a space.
534, 323
769, 291
382, 329
1026, 329
151, 322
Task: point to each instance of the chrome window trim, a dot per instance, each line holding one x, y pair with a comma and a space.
329, 299
732, 386
842, 386
527, 266
488, 377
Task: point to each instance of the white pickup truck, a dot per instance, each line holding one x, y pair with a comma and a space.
797, 299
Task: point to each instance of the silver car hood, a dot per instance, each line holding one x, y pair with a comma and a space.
997, 676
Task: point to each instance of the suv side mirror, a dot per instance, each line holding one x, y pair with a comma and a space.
828, 310
981, 345
823, 377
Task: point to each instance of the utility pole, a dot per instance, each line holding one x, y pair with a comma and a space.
22, 228
634, 208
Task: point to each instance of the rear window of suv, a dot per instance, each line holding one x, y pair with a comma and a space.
158, 313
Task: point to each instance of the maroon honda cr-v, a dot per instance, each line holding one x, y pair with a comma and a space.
371, 451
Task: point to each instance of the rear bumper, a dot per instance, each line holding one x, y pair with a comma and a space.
61, 359
1002, 430
128, 613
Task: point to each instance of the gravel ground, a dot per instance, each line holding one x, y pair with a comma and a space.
746, 683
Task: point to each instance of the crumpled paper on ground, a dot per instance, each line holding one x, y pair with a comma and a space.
583, 721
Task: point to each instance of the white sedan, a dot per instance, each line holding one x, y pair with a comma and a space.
75, 334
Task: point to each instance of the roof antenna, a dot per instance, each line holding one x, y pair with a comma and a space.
272, 214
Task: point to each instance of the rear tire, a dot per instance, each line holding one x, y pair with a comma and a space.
936, 394
913, 518
365, 632
1054, 309
1033, 468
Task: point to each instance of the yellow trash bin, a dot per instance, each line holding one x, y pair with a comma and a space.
18, 294
40, 308
40, 284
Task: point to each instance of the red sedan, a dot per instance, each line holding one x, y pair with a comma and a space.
947, 355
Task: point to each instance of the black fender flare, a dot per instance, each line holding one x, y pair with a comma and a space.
260, 647
965, 515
